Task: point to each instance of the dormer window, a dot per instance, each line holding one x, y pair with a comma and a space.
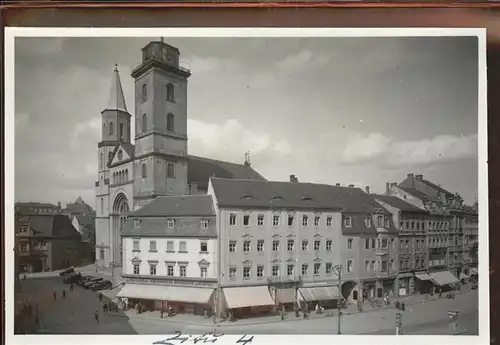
170, 223
387, 223
276, 197
347, 222
368, 222
204, 223
137, 223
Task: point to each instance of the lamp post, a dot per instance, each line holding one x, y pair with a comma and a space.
337, 270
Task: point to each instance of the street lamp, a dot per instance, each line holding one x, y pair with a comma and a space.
337, 270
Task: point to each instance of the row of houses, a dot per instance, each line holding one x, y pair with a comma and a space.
248, 246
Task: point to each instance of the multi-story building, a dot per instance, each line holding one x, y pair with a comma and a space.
411, 222
279, 243
471, 242
369, 247
170, 254
31, 208
78, 208
157, 164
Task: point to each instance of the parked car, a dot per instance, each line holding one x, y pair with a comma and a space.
83, 279
71, 278
102, 285
88, 284
67, 271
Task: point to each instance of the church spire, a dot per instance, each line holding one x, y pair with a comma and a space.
116, 98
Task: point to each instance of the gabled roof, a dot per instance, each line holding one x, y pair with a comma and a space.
398, 203
116, 97
437, 188
416, 193
34, 204
87, 222
266, 194
178, 206
157, 227
129, 150
51, 226
200, 170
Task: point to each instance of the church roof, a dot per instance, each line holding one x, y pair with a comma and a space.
178, 206
200, 170
116, 97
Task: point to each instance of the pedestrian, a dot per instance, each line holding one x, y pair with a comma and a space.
100, 297
403, 306
162, 312
96, 315
64, 294
54, 295
71, 288
25, 276
105, 308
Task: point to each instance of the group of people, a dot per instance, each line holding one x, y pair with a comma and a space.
63, 293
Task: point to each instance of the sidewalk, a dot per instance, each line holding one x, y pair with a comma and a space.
84, 270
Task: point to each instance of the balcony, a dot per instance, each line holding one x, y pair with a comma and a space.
382, 251
284, 280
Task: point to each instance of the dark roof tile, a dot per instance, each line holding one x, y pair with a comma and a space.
398, 203
415, 193
157, 227
172, 206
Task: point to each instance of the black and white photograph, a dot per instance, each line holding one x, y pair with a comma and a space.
323, 182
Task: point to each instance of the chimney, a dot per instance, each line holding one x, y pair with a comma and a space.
193, 188
59, 205
394, 184
388, 188
410, 176
247, 159
337, 184
419, 177
367, 189
293, 179
351, 185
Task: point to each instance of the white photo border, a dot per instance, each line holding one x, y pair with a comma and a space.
12, 32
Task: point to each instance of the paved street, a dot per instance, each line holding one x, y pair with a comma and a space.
75, 315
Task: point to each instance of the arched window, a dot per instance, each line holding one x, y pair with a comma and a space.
170, 170
111, 128
114, 178
120, 177
170, 92
126, 175
102, 205
170, 122
144, 123
121, 130
144, 171
144, 92
103, 129
101, 161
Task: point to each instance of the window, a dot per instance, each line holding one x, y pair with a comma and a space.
373, 243
246, 246
144, 171
102, 205
170, 246
170, 223
289, 270
305, 244
182, 247
367, 243
260, 271
246, 272
347, 222
136, 269
329, 245
260, 219
305, 220
384, 243
290, 219
101, 254
317, 267
367, 265
260, 245
386, 222
144, 92
349, 243
384, 266
232, 219
276, 220
328, 268
170, 122
246, 220
170, 270
203, 247
170, 92
401, 264
111, 128
380, 221
316, 220
276, 270
232, 246
203, 272
418, 226
349, 265
329, 221
304, 269
121, 134
276, 245
368, 222
182, 271
144, 123
136, 247
170, 170
232, 273
317, 244
152, 269
204, 223
152, 246
290, 244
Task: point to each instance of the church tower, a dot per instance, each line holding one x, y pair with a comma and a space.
160, 124
115, 129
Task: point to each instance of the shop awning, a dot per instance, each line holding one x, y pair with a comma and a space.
111, 294
167, 293
250, 296
423, 276
473, 271
444, 278
324, 293
464, 276
285, 295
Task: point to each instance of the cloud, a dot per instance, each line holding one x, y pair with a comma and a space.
302, 59
441, 149
199, 65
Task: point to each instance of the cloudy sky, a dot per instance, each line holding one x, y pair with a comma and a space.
364, 111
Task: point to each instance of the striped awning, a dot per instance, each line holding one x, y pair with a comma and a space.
324, 293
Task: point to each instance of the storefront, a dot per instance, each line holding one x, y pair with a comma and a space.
325, 296
445, 280
369, 289
405, 284
286, 297
190, 300
247, 301
423, 283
